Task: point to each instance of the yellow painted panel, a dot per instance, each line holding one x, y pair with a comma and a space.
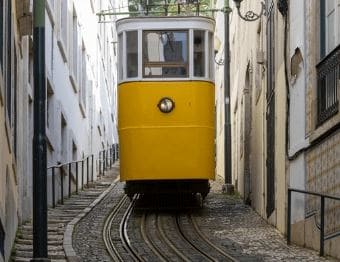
167, 153
155, 145
137, 103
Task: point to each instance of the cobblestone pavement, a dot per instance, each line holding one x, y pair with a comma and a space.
87, 235
240, 230
225, 220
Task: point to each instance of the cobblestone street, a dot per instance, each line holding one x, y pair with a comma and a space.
225, 220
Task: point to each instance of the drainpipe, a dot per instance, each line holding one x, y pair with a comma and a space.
39, 136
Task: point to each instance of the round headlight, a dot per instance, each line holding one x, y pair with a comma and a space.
166, 105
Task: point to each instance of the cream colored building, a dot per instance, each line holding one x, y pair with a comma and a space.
258, 143
279, 142
81, 97
314, 149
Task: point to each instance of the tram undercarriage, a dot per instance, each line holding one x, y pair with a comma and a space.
188, 186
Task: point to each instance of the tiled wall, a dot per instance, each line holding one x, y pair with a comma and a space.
323, 175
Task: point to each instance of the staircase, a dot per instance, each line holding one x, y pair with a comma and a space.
58, 218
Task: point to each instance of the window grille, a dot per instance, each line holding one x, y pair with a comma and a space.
328, 77
328, 70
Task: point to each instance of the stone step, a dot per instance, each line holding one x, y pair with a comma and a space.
53, 228
26, 259
75, 208
51, 255
49, 238
82, 201
23, 241
58, 221
21, 247
54, 232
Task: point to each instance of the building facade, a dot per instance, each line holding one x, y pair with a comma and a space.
285, 112
80, 103
314, 137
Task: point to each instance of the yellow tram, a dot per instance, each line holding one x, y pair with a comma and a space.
166, 113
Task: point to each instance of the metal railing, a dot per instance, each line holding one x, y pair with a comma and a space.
322, 215
107, 158
80, 169
178, 9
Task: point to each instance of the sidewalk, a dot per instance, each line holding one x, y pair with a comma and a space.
59, 219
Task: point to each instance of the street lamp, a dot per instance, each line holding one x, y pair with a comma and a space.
250, 15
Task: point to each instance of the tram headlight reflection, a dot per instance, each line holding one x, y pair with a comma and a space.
166, 105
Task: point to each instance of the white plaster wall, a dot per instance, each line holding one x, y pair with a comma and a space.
297, 180
297, 129
297, 34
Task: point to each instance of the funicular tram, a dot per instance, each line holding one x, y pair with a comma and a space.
166, 117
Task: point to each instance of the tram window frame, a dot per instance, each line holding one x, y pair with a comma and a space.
166, 64
131, 64
211, 73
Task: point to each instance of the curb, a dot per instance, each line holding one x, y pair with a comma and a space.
70, 254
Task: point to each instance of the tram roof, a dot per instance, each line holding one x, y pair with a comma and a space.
165, 22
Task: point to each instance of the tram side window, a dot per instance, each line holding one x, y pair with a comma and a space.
199, 53
120, 56
132, 54
165, 54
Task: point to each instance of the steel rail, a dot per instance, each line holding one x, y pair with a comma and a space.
124, 234
168, 242
107, 231
190, 242
203, 237
147, 240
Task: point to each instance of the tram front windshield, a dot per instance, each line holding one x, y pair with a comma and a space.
165, 53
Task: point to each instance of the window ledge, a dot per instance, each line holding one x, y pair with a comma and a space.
50, 138
82, 109
323, 128
50, 12
62, 49
73, 82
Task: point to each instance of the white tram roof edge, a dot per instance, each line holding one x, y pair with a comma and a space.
168, 22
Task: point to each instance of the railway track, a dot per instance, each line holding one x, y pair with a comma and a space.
110, 245
165, 237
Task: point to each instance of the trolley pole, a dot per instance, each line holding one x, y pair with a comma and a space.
227, 125
40, 252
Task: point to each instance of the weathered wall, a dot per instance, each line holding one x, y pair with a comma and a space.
318, 168
249, 108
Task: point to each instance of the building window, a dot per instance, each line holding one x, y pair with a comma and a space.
328, 70
83, 81
63, 29
63, 20
75, 45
